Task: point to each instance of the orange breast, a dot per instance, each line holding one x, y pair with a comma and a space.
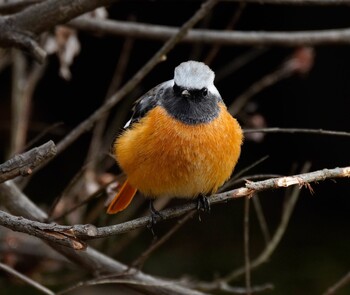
165, 157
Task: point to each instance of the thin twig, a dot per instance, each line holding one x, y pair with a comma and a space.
94, 153
297, 2
25, 163
266, 81
296, 131
229, 38
234, 19
262, 220
239, 62
20, 104
139, 262
131, 84
246, 246
272, 245
224, 287
338, 285
26, 279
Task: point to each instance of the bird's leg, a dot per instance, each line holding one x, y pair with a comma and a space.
203, 203
155, 216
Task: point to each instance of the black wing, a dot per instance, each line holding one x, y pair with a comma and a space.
146, 102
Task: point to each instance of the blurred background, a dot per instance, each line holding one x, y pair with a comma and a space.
265, 86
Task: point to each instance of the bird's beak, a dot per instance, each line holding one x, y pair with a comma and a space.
185, 93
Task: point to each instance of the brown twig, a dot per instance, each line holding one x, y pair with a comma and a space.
15, 6
20, 29
297, 131
25, 163
272, 245
26, 279
229, 27
86, 232
238, 62
139, 262
23, 86
297, 2
338, 285
266, 81
262, 220
90, 259
246, 246
222, 286
229, 38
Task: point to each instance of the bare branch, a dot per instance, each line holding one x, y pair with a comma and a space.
297, 2
25, 163
26, 279
138, 263
273, 243
246, 247
15, 6
236, 38
297, 130
340, 284
20, 29
90, 259
86, 232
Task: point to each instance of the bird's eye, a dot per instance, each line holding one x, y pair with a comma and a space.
176, 89
204, 91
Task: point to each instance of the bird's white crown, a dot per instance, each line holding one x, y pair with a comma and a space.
194, 75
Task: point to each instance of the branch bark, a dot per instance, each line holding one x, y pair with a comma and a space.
236, 38
86, 231
20, 29
25, 163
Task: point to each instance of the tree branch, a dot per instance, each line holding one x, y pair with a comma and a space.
338, 285
296, 2
20, 29
236, 38
15, 6
26, 279
25, 163
297, 130
85, 232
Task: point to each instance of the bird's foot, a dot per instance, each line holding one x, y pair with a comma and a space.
203, 204
155, 217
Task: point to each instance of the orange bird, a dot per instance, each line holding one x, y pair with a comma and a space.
180, 142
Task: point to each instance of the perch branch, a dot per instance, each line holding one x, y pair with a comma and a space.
25, 163
217, 37
90, 259
86, 232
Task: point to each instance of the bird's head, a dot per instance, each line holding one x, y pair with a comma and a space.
194, 80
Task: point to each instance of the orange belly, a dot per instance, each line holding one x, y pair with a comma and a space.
165, 157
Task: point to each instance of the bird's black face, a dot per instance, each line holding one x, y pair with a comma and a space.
191, 106
193, 94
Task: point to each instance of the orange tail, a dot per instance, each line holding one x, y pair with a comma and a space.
122, 199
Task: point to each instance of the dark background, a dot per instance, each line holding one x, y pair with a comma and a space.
314, 253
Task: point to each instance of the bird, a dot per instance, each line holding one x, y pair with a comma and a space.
180, 142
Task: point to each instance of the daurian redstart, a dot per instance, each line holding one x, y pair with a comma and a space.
180, 142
